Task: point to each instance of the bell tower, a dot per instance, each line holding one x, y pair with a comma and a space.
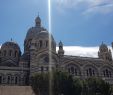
60, 51
104, 53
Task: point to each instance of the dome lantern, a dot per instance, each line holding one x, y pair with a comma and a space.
38, 22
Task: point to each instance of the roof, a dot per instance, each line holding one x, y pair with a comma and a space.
10, 44
82, 58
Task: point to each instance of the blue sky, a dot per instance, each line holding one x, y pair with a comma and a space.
74, 22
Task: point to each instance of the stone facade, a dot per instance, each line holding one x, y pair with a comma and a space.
17, 68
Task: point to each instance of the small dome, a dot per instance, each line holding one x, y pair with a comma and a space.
10, 53
10, 44
103, 47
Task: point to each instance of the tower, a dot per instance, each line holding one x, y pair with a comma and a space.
104, 53
60, 51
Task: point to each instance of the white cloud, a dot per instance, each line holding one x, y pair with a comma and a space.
81, 51
102, 9
87, 6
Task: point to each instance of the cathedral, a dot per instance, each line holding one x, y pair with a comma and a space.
17, 68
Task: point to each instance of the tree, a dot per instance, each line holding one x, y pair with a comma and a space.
96, 86
40, 83
63, 83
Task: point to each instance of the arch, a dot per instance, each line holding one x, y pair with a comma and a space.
90, 70
16, 79
43, 57
16, 54
10, 52
106, 71
9, 78
40, 43
73, 69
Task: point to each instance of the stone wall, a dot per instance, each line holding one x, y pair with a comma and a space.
16, 90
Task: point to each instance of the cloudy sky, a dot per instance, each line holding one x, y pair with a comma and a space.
79, 24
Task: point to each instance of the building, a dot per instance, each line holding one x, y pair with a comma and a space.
16, 68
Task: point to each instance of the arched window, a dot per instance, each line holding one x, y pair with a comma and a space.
90, 72
73, 71
46, 43
8, 79
107, 73
16, 54
40, 43
10, 53
16, 80
4, 53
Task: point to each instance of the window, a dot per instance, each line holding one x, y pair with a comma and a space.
107, 73
73, 71
0, 79
40, 43
90, 72
4, 52
16, 53
46, 59
10, 53
46, 43
8, 79
16, 80
42, 69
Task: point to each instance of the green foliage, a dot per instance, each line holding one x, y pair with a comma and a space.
94, 86
40, 83
64, 84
